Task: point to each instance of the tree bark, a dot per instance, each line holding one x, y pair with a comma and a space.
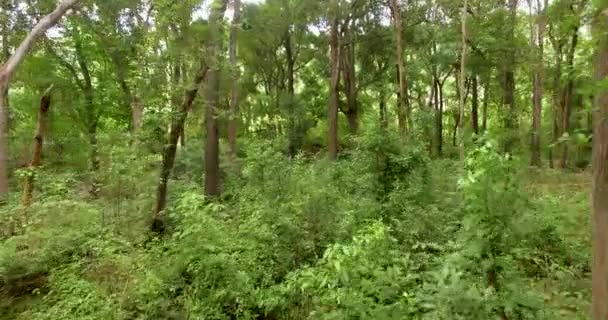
6, 73
568, 95
334, 98
403, 100
509, 80
234, 97
177, 125
350, 79
486, 102
475, 104
28, 184
600, 171
463, 74
538, 40
212, 145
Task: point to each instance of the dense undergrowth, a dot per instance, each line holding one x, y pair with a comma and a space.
385, 233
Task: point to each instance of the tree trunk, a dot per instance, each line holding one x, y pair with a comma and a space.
463, 74
600, 172
234, 97
538, 40
6, 73
170, 150
350, 79
294, 143
475, 105
568, 96
212, 146
334, 98
28, 184
486, 102
439, 118
403, 100
383, 113
509, 80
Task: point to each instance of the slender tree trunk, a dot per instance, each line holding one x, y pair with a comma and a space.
212, 146
334, 98
383, 113
486, 102
440, 118
556, 106
568, 96
538, 40
350, 79
463, 74
294, 143
234, 98
170, 150
403, 100
28, 184
509, 80
6, 73
475, 104
600, 171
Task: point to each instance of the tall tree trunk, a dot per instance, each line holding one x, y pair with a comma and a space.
600, 171
6, 73
234, 98
177, 125
463, 74
475, 104
439, 117
294, 143
568, 95
403, 100
509, 80
350, 79
486, 102
538, 40
556, 106
212, 146
382, 105
28, 184
334, 98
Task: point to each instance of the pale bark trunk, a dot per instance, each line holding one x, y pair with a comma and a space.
403, 100
212, 145
234, 98
600, 172
332, 116
463, 73
6, 73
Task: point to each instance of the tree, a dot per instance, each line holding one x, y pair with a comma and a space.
8, 71
538, 43
600, 170
403, 99
334, 82
234, 98
463, 65
212, 146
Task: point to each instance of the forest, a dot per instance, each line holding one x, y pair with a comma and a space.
303, 159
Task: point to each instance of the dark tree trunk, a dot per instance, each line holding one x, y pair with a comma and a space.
212, 145
294, 129
600, 172
509, 81
177, 125
403, 99
568, 97
350, 80
28, 184
334, 85
538, 40
475, 105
